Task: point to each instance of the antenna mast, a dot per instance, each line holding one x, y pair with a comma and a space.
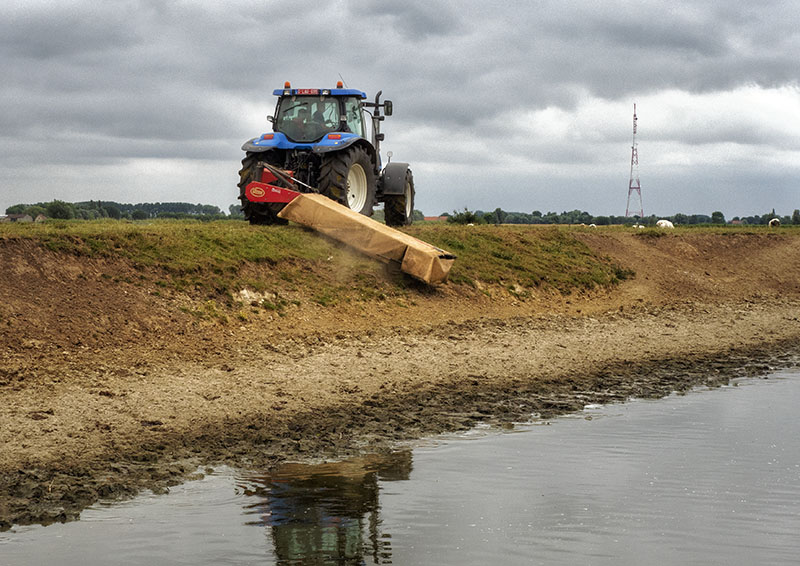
634, 184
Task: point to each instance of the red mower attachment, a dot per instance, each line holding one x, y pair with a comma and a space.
264, 192
269, 189
415, 257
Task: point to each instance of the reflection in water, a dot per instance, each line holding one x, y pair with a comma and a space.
705, 478
326, 513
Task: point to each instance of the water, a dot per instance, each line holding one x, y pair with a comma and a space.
712, 477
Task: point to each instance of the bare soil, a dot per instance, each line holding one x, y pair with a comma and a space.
108, 387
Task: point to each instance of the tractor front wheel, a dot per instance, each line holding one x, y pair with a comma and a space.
348, 177
256, 212
399, 209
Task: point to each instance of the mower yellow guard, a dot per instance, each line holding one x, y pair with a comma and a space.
417, 258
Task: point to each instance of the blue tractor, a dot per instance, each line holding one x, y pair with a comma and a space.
327, 140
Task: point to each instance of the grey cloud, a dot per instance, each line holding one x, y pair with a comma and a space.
413, 19
61, 31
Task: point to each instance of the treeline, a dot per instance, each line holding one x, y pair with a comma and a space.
499, 216
94, 209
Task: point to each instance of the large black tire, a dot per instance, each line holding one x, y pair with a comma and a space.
256, 212
348, 177
399, 209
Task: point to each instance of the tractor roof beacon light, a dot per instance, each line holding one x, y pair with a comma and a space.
339, 84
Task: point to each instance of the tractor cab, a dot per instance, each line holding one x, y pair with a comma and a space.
307, 115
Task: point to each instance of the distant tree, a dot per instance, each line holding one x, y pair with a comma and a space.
208, 209
417, 216
717, 217
85, 214
465, 217
113, 212
796, 216
60, 209
139, 214
495, 217
16, 209
550, 218
699, 219
765, 218
518, 218
235, 210
35, 210
536, 217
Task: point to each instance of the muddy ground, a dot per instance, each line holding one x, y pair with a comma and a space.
108, 388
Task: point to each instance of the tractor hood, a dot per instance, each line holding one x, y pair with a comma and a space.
332, 141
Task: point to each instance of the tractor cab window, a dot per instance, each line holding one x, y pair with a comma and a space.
307, 118
354, 117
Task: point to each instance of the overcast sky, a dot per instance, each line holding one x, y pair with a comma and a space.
519, 105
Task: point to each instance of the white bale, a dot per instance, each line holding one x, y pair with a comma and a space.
665, 224
774, 223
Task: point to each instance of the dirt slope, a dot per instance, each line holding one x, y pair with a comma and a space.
108, 386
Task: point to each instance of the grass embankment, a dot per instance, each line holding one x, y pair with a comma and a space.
521, 257
214, 261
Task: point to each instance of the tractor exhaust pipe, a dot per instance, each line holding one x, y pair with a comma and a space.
377, 118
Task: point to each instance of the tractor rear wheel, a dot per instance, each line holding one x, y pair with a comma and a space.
399, 209
256, 212
348, 177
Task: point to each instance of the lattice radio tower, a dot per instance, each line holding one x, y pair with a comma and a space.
634, 185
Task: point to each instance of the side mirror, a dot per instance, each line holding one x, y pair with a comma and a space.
271, 119
387, 107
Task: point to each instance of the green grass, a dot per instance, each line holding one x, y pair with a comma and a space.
532, 257
215, 260
188, 254
181, 245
